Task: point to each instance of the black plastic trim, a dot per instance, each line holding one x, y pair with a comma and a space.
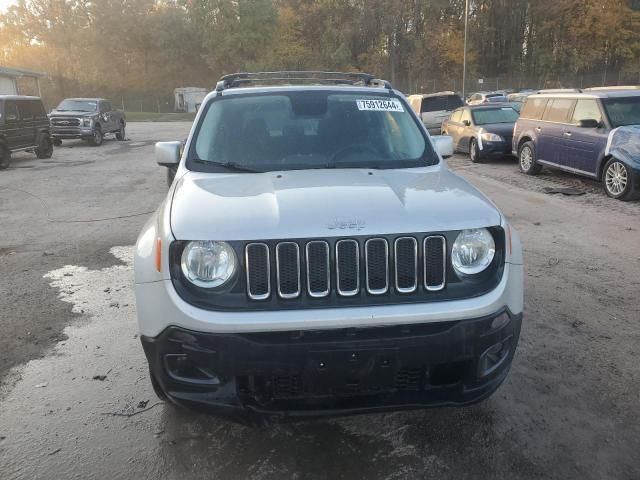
233, 296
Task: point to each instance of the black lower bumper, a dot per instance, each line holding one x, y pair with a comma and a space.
71, 133
496, 149
335, 372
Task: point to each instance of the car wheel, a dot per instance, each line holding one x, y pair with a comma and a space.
120, 134
618, 181
527, 159
474, 151
45, 147
57, 142
156, 386
5, 157
97, 138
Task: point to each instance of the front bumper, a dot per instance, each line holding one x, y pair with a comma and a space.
334, 372
71, 132
496, 149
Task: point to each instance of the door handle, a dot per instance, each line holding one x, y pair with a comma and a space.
567, 134
537, 129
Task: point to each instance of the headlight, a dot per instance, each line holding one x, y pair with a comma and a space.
208, 264
86, 122
491, 137
473, 251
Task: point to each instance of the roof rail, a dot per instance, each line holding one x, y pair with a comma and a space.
242, 79
560, 90
616, 87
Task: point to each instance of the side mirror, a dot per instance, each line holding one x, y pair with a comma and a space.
168, 153
466, 123
444, 145
589, 123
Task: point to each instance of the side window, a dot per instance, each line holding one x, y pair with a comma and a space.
586, 110
466, 115
558, 110
38, 109
24, 107
455, 116
11, 112
534, 108
106, 106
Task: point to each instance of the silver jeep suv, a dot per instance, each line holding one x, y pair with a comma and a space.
315, 255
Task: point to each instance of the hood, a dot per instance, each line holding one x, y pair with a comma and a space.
502, 129
72, 113
325, 203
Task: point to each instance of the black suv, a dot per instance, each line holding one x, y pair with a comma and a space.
24, 126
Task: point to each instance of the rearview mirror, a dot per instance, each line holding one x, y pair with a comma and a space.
589, 123
168, 153
466, 123
444, 145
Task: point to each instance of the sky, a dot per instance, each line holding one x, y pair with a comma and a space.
6, 3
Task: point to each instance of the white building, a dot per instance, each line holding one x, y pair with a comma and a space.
9, 80
188, 99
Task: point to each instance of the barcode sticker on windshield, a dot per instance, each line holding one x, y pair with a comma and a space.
380, 105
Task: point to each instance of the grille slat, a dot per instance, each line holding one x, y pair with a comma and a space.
377, 265
318, 269
435, 259
288, 269
258, 265
348, 267
406, 264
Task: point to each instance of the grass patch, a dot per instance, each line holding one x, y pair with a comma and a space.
159, 117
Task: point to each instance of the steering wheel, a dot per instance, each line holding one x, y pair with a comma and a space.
355, 148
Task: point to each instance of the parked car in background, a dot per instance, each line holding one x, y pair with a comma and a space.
315, 256
86, 118
519, 97
594, 133
484, 97
482, 131
517, 106
23, 127
433, 108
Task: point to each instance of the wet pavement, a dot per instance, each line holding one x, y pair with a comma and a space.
569, 408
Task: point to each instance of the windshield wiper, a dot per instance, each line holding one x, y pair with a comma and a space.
230, 166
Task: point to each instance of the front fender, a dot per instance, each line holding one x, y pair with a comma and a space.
154, 239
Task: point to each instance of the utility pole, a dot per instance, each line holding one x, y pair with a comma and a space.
464, 55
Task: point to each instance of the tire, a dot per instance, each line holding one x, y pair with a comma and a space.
618, 181
5, 157
156, 387
527, 159
121, 134
474, 151
57, 142
97, 138
45, 147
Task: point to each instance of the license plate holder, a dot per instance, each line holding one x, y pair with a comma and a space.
351, 372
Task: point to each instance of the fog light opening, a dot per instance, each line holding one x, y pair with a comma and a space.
180, 367
493, 357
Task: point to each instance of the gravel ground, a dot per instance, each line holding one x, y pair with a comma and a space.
75, 401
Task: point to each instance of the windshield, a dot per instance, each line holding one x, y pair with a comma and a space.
444, 102
77, 106
312, 129
623, 111
494, 115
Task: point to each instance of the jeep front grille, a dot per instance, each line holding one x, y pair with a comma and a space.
349, 267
